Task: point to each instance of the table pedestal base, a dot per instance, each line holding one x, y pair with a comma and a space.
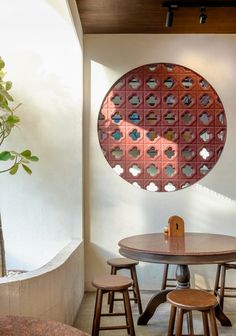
183, 281
155, 301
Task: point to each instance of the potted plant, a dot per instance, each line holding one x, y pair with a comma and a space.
10, 160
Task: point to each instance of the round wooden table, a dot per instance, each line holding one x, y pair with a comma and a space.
191, 249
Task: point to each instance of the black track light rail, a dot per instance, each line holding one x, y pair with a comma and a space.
202, 3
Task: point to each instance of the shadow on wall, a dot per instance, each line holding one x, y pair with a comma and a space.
99, 256
203, 277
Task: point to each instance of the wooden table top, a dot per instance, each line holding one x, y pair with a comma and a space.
193, 248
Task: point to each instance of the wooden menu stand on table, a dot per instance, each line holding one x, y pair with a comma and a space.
175, 226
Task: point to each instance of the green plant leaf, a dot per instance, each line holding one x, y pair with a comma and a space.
2, 64
2, 73
4, 104
6, 95
13, 119
34, 158
4, 156
14, 169
27, 169
8, 85
24, 160
26, 153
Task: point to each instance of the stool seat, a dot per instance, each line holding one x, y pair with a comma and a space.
122, 262
192, 299
186, 301
112, 282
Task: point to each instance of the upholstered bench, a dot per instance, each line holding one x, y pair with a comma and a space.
16, 325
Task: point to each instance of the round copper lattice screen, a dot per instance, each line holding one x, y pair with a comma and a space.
162, 127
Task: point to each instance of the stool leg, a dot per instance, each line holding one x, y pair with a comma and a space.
179, 322
128, 312
132, 269
171, 321
190, 323
136, 288
205, 323
113, 272
222, 286
164, 276
97, 313
111, 295
213, 325
217, 280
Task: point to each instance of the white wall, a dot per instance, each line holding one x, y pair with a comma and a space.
43, 55
115, 209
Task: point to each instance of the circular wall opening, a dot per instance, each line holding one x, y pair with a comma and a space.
162, 127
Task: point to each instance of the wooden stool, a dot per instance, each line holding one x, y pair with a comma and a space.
125, 263
112, 283
220, 287
187, 300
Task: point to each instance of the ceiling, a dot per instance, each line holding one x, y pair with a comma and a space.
149, 16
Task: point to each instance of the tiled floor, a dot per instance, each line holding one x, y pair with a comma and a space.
157, 326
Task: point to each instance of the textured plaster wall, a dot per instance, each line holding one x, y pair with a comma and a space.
53, 292
115, 209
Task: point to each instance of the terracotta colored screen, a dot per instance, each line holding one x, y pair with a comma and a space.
162, 127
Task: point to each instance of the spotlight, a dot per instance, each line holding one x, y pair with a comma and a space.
170, 15
202, 16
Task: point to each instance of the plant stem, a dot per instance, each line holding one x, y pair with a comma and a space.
6, 170
2, 251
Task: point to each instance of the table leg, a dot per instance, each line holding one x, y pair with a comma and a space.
152, 305
220, 315
182, 277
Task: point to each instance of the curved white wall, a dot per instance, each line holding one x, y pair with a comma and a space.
114, 208
43, 56
53, 292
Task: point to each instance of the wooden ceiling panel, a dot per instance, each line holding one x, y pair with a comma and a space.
149, 16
